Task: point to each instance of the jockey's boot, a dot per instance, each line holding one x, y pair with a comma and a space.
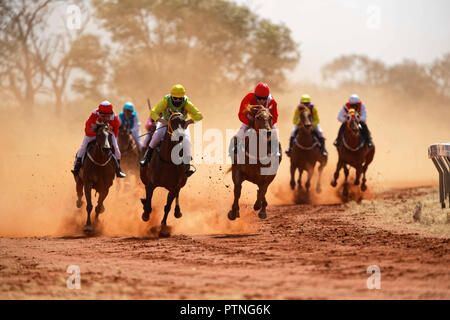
322, 146
147, 157
291, 143
366, 133
119, 173
77, 166
189, 170
338, 139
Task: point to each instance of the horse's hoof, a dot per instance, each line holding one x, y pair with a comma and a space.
257, 206
231, 215
363, 187
262, 215
99, 210
87, 229
178, 213
145, 216
79, 203
356, 183
165, 231
333, 183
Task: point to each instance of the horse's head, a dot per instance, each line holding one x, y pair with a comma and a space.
262, 118
103, 132
306, 119
176, 121
353, 121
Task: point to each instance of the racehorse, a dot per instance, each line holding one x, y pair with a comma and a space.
161, 171
306, 152
353, 151
128, 149
254, 164
97, 172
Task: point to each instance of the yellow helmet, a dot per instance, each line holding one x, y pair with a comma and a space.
178, 91
305, 98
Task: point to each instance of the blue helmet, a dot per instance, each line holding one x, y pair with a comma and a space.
128, 106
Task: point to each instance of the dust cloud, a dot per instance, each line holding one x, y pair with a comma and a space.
37, 190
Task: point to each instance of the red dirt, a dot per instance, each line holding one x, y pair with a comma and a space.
299, 252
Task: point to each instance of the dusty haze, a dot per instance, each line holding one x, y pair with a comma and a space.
38, 189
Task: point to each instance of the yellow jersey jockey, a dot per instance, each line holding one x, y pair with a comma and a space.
305, 100
176, 101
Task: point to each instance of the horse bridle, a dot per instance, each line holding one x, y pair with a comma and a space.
92, 158
298, 143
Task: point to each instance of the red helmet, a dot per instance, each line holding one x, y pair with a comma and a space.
105, 107
262, 90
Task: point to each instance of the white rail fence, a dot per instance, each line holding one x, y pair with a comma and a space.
440, 155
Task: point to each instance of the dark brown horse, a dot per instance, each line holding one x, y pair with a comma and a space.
161, 171
306, 152
128, 149
252, 165
353, 151
97, 172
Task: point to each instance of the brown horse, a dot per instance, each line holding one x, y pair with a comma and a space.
128, 149
306, 152
353, 151
161, 171
97, 172
249, 164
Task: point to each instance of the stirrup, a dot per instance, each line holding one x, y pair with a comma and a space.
120, 174
189, 171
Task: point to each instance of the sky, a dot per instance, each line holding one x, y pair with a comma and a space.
389, 30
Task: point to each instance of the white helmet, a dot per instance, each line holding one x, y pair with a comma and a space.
354, 99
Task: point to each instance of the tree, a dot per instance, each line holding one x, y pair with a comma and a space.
440, 72
20, 71
207, 42
355, 69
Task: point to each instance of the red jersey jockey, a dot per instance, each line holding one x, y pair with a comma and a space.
104, 114
261, 96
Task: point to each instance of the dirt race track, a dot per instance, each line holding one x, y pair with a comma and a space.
299, 252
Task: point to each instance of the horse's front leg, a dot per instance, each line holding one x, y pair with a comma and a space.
336, 173
358, 175
147, 202
87, 193
177, 213
262, 198
346, 172
310, 172
170, 197
363, 184
79, 192
101, 197
321, 167
292, 182
234, 213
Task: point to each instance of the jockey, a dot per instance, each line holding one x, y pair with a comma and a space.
261, 96
129, 116
176, 101
354, 102
103, 114
305, 100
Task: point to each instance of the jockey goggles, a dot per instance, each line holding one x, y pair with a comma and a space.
177, 98
261, 98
